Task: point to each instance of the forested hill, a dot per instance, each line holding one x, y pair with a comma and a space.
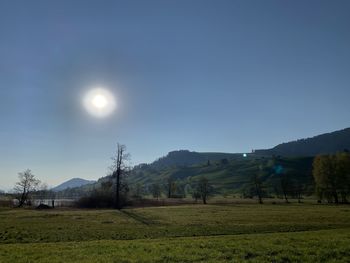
232, 172
187, 158
322, 144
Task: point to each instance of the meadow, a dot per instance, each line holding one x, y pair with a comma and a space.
188, 233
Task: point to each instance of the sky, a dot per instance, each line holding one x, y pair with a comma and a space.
223, 76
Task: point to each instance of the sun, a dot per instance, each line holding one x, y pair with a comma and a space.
99, 102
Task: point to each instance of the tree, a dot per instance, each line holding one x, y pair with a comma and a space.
342, 171
298, 189
119, 170
171, 187
204, 189
285, 185
332, 176
26, 185
138, 191
156, 190
324, 167
257, 182
196, 195
224, 161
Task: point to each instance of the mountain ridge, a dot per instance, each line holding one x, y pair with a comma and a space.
72, 183
326, 143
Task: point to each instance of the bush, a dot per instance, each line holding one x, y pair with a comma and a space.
99, 199
96, 200
6, 203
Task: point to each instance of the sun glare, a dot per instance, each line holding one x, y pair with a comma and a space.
99, 102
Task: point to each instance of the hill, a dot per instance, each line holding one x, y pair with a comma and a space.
232, 172
186, 158
72, 183
226, 176
322, 144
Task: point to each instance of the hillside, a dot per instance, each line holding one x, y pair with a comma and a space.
231, 176
72, 183
187, 158
322, 144
232, 172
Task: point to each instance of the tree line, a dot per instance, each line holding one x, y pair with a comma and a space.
330, 174
332, 177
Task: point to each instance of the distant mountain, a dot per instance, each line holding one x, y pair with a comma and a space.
72, 183
322, 144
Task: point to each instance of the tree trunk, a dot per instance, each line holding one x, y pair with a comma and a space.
260, 199
285, 197
335, 196
117, 201
258, 191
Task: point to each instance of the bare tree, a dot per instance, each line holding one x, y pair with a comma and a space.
258, 187
119, 169
204, 189
299, 188
156, 190
171, 187
285, 185
257, 181
26, 185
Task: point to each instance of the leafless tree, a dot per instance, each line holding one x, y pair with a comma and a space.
285, 185
156, 190
119, 170
26, 185
171, 187
257, 182
204, 188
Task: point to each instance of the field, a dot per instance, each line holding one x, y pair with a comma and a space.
188, 233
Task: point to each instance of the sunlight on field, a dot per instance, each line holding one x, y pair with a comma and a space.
186, 233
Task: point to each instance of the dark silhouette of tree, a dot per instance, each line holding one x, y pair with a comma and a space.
298, 189
138, 191
171, 187
332, 176
285, 185
257, 182
224, 161
204, 189
119, 170
196, 195
156, 190
324, 175
26, 185
342, 171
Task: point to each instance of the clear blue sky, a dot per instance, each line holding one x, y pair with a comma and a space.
226, 76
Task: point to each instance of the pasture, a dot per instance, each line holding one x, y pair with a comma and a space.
188, 233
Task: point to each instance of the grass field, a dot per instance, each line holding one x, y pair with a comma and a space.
190, 233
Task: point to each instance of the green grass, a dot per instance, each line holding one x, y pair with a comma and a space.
318, 246
267, 233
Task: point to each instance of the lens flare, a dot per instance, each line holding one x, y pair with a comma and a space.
99, 102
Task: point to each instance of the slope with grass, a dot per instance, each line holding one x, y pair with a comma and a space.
229, 176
